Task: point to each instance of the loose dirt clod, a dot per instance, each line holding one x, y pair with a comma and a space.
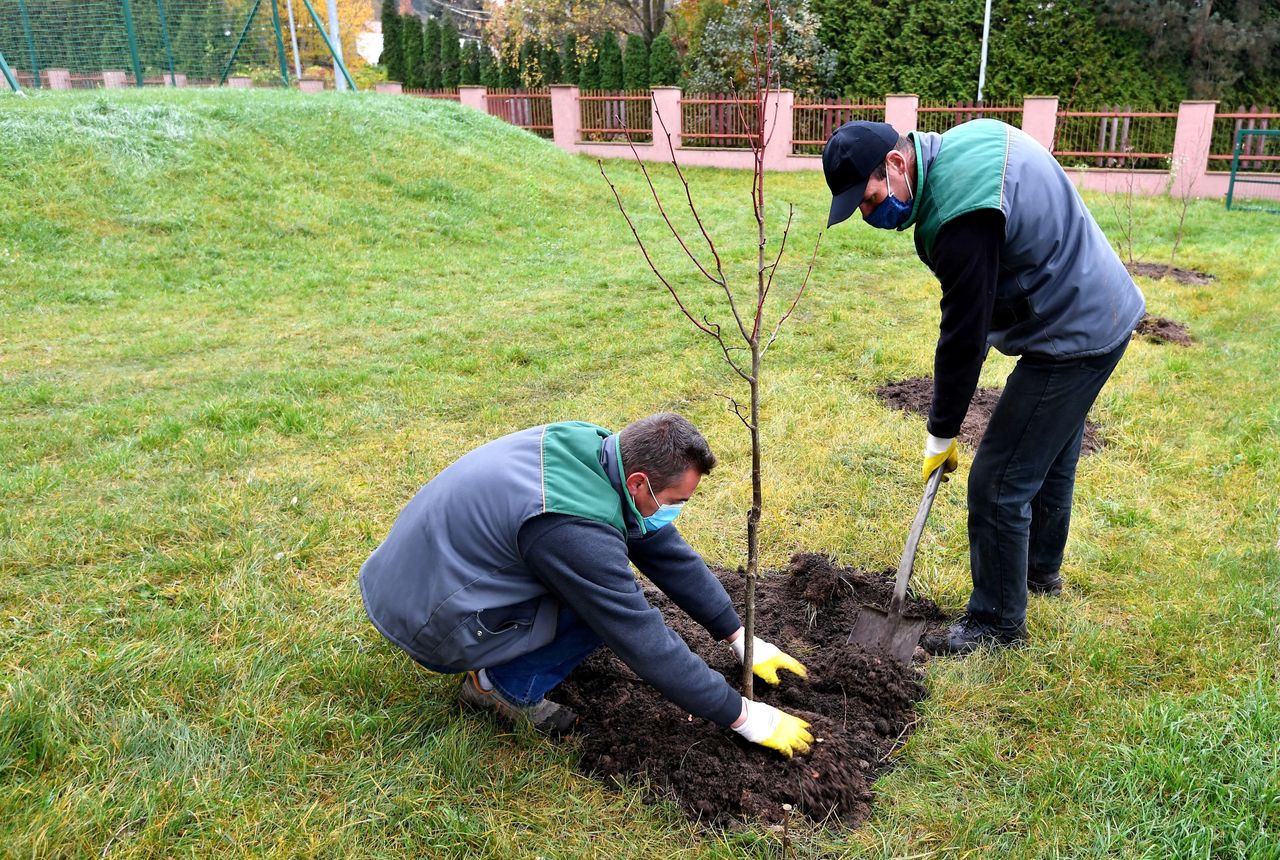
916, 394
861, 706
1160, 270
1161, 330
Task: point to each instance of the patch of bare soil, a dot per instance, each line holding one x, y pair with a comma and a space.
1161, 330
1157, 271
861, 706
915, 395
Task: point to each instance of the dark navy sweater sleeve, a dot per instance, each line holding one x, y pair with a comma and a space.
966, 259
585, 565
671, 564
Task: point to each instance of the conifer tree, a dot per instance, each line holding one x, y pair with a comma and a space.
664, 62
508, 71
488, 65
549, 59
411, 51
569, 60
450, 55
392, 58
610, 62
470, 74
589, 72
431, 54
635, 63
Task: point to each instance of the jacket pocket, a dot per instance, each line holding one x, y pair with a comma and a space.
483, 637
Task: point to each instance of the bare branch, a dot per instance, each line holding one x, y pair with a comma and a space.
662, 210
737, 409
773, 269
644, 250
796, 300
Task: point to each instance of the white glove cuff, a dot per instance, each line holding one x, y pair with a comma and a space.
761, 722
760, 651
739, 647
934, 445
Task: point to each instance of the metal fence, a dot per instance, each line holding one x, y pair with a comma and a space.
941, 117
812, 122
1115, 137
529, 109
1259, 153
607, 115
718, 121
447, 95
144, 42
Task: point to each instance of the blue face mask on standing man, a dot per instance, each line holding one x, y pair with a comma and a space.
665, 515
892, 213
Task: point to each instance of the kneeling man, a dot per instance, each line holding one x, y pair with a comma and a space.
512, 566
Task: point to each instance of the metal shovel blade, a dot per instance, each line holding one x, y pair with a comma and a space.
893, 634
890, 631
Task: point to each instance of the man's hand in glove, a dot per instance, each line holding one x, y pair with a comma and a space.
938, 451
766, 725
766, 658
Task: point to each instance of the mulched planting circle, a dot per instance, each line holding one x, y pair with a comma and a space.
861, 706
1161, 270
1161, 330
916, 394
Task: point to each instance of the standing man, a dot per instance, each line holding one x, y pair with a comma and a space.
1023, 267
513, 565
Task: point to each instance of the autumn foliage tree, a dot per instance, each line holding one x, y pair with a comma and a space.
749, 324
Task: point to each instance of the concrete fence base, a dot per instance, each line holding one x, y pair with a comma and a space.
311, 85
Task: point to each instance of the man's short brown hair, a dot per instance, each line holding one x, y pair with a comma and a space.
664, 446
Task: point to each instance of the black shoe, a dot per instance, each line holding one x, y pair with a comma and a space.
1046, 584
968, 635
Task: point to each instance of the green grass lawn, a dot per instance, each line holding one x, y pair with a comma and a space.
239, 330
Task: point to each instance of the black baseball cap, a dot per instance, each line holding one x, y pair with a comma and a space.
853, 151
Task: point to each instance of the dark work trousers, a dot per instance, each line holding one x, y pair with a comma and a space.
1022, 480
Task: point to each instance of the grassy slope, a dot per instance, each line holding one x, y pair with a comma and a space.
237, 331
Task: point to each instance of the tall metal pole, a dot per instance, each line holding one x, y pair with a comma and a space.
8, 76
284, 62
293, 37
168, 48
337, 57
336, 38
986, 34
133, 44
31, 43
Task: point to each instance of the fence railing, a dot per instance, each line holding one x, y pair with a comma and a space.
1258, 153
716, 120
941, 117
606, 115
812, 122
528, 109
1115, 137
447, 95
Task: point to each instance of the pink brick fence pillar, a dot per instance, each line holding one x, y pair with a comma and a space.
565, 116
113, 79
58, 79
900, 111
472, 97
311, 85
777, 129
239, 82
391, 88
666, 111
1191, 147
1040, 119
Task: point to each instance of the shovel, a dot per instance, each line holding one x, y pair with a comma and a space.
890, 632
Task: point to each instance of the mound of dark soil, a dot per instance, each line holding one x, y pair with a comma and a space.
915, 395
1161, 330
860, 706
1160, 270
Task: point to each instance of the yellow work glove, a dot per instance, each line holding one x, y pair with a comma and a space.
938, 451
766, 725
767, 659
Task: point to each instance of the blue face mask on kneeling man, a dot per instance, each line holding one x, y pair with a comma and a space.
665, 515
892, 213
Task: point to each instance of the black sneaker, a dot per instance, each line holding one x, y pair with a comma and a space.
544, 715
968, 635
1046, 584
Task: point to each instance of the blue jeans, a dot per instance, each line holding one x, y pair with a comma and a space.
1022, 481
529, 677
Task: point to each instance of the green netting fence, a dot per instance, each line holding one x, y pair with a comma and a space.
92, 43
